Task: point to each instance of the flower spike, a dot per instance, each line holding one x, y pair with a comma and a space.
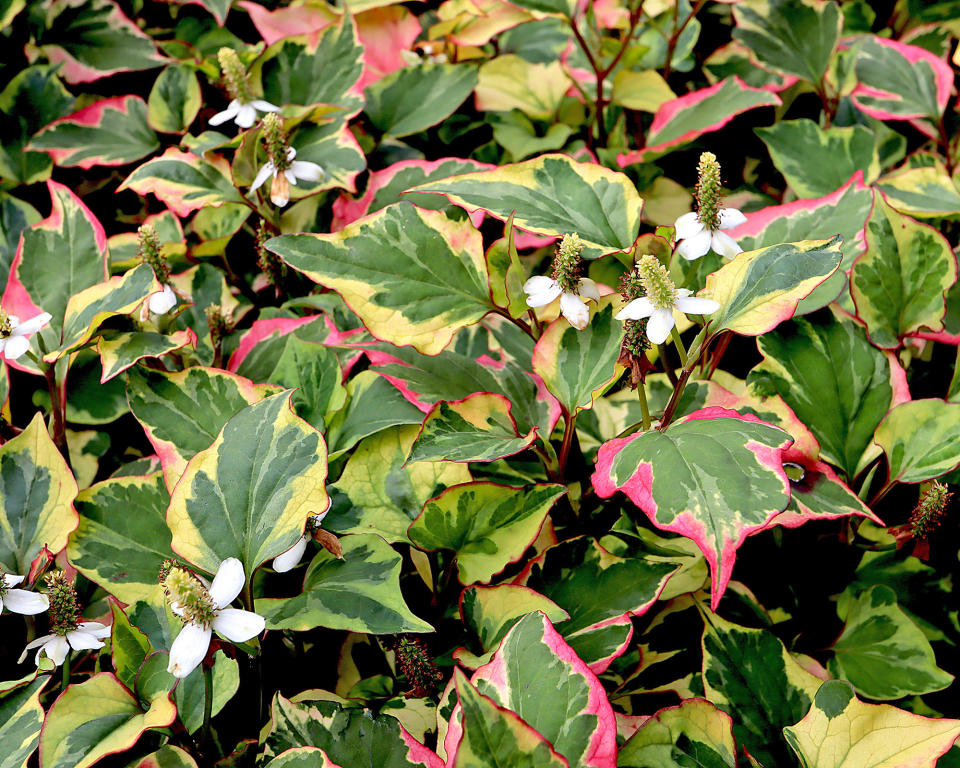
702, 230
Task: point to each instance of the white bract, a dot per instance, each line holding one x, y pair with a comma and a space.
695, 239
289, 559
660, 319
88, 636
21, 601
541, 290
15, 336
236, 625
163, 301
280, 189
243, 114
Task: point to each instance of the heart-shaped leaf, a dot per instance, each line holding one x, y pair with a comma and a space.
692, 733
921, 440
174, 100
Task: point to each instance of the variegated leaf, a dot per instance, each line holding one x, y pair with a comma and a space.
921, 440
694, 732
122, 350
21, 717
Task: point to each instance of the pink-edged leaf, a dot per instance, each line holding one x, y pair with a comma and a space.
109, 132
290, 20
576, 719
217, 8
384, 34
263, 330
694, 732
715, 476
184, 182
94, 39
735, 58
600, 591
121, 350
897, 81
385, 186
683, 119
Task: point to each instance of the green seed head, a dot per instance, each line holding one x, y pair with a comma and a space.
656, 282
193, 599
707, 193
566, 263
234, 75
64, 608
930, 511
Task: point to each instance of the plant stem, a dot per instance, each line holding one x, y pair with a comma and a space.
678, 343
697, 349
65, 672
207, 703
644, 407
675, 35
58, 407
569, 431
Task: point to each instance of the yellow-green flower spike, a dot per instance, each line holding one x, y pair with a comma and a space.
148, 248
656, 282
234, 75
275, 142
192, 598
930, 511
707, 193
64, 608
566, 263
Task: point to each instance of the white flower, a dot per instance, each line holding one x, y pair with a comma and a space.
236, 625
280, 189
289, 559
14, 335
541, 290
87, 636
660, 319
243, 114
20, 600
695, 239
163, 301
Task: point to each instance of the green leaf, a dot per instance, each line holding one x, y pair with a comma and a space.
120, 351
413, 276
128, 647
714, 476
302, 757
548, 7
882, 652
921, 439
359, 592
412, 99
109, 132
15, 216
94, 40
96, 718
331, 145
927, 192
793, 36
900, 283
174, 100
842, 404
182, 413
577, 367
487, 525
841, 731
760, 289
510, 82
840, 153
493, 735
554, 195
693, 733
600, 591
380, 492
645, 91
749, 675
167, 756
120, 551
20, 719
352, 736
36, 497
477, 428
249, 494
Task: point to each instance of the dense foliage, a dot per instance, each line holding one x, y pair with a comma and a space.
472, 383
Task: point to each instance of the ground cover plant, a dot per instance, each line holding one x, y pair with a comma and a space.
471, 383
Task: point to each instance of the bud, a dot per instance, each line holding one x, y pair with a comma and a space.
707, 192
64, 608
234, 75
148, 249
566, 263
415, 664
189, 597
270, 264
328, 541
656, 282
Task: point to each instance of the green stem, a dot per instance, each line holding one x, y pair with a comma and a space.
568, 432
644, 407
207, 703
65, 672
678, 343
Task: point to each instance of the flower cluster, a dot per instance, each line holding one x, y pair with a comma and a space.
282, 164
701, 230
565, 283
148, 248
15, 336
243, 106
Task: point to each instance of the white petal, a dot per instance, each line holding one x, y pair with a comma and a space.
694, 247
694, 305
83, 641
688, 225
304, 169
163, 301
25, 602
289, 559
95, 628
15, 347
291, 153
246, 115
176, 608
268, 170
659, 326
56, 650
730, 218
11, 580
264, 106
636, 310
725, 245
228, 114
319, 517
188, 649
291, 177
227, 583
574, 310
32, 325
238, 626
588, 289
541, 290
